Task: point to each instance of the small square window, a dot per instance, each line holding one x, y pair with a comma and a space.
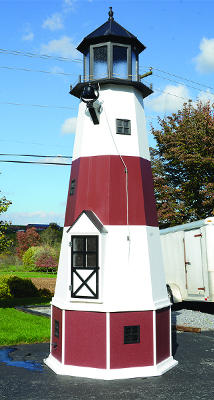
123, 126
72, 187
131, 334
56, 328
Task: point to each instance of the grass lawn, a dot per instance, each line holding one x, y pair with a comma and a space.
17, 327
21, 273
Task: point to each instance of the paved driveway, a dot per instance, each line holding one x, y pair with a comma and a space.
192, 379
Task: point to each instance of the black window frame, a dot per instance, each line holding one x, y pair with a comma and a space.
76, 270
120, 125
72, 187
56, 328
131, 334
84, 252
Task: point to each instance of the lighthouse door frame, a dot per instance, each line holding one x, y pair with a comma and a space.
85, 271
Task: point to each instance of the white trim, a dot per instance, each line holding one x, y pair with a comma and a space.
63, 337
170, 332
110, 374
154, 338
108, 340
51, 335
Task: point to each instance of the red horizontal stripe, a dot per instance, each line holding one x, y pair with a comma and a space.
101, 187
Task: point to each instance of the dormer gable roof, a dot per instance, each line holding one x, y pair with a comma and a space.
93, 218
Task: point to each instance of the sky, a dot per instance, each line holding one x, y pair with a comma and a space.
39, 61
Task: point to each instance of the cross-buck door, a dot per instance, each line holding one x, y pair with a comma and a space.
84, 267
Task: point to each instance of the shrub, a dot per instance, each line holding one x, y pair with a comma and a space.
21, 287
42, 258
29, 258
46, 260
4, 288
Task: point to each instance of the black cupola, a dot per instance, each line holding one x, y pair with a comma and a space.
111, 56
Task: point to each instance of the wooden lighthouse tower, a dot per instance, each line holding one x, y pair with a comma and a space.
110, 311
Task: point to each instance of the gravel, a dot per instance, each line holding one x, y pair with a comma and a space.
183, 317
193, 319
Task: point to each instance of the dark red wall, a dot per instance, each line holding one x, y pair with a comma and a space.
162, 334
135, 354
101, 187
56, 351
85, 339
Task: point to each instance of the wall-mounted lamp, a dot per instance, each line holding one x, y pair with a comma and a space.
89, 95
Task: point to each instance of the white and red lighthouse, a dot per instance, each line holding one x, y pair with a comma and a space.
110, 310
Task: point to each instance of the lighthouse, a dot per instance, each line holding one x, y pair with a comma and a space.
110, 314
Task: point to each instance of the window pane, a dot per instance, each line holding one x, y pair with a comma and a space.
100, 62
91, 260
134, 66
78, 260
91, 244
72, 187
120, 68
78, 244
56, 328
123, 126
86, 77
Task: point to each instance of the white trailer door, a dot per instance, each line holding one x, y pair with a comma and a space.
193, 261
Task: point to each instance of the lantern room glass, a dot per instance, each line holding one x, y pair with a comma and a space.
120, 67
100, 65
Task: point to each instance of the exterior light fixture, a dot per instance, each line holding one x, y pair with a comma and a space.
89, 95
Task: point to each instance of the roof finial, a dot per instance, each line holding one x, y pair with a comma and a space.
110, 13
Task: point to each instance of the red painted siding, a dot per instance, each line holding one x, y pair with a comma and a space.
162, 334
56, 348
135, 354
85, 339
101, 187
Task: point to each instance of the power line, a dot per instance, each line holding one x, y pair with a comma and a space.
34, 70
33, 162
172, 80
34, 155
180, 77
37, 55
36, 105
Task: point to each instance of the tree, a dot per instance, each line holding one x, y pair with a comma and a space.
26, 239
52, 235
183, 165
5, 243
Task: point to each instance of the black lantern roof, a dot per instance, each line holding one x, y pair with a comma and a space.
110, 31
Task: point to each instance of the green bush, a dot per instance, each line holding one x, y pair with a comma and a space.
4, 288
22, 287
29, 258
42, 258
16, 287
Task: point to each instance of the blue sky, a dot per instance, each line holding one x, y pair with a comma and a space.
37, 114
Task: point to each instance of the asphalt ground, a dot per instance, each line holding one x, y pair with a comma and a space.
191, 379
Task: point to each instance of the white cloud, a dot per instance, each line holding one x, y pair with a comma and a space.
206, 96
54, 22
57, 70
56, 160
170, 100
28, 34
69, 126
69, 5
35, 217
62, 47
205, 59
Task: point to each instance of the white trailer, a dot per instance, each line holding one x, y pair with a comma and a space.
188, 256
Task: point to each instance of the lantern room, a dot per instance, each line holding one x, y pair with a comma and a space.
110, 52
